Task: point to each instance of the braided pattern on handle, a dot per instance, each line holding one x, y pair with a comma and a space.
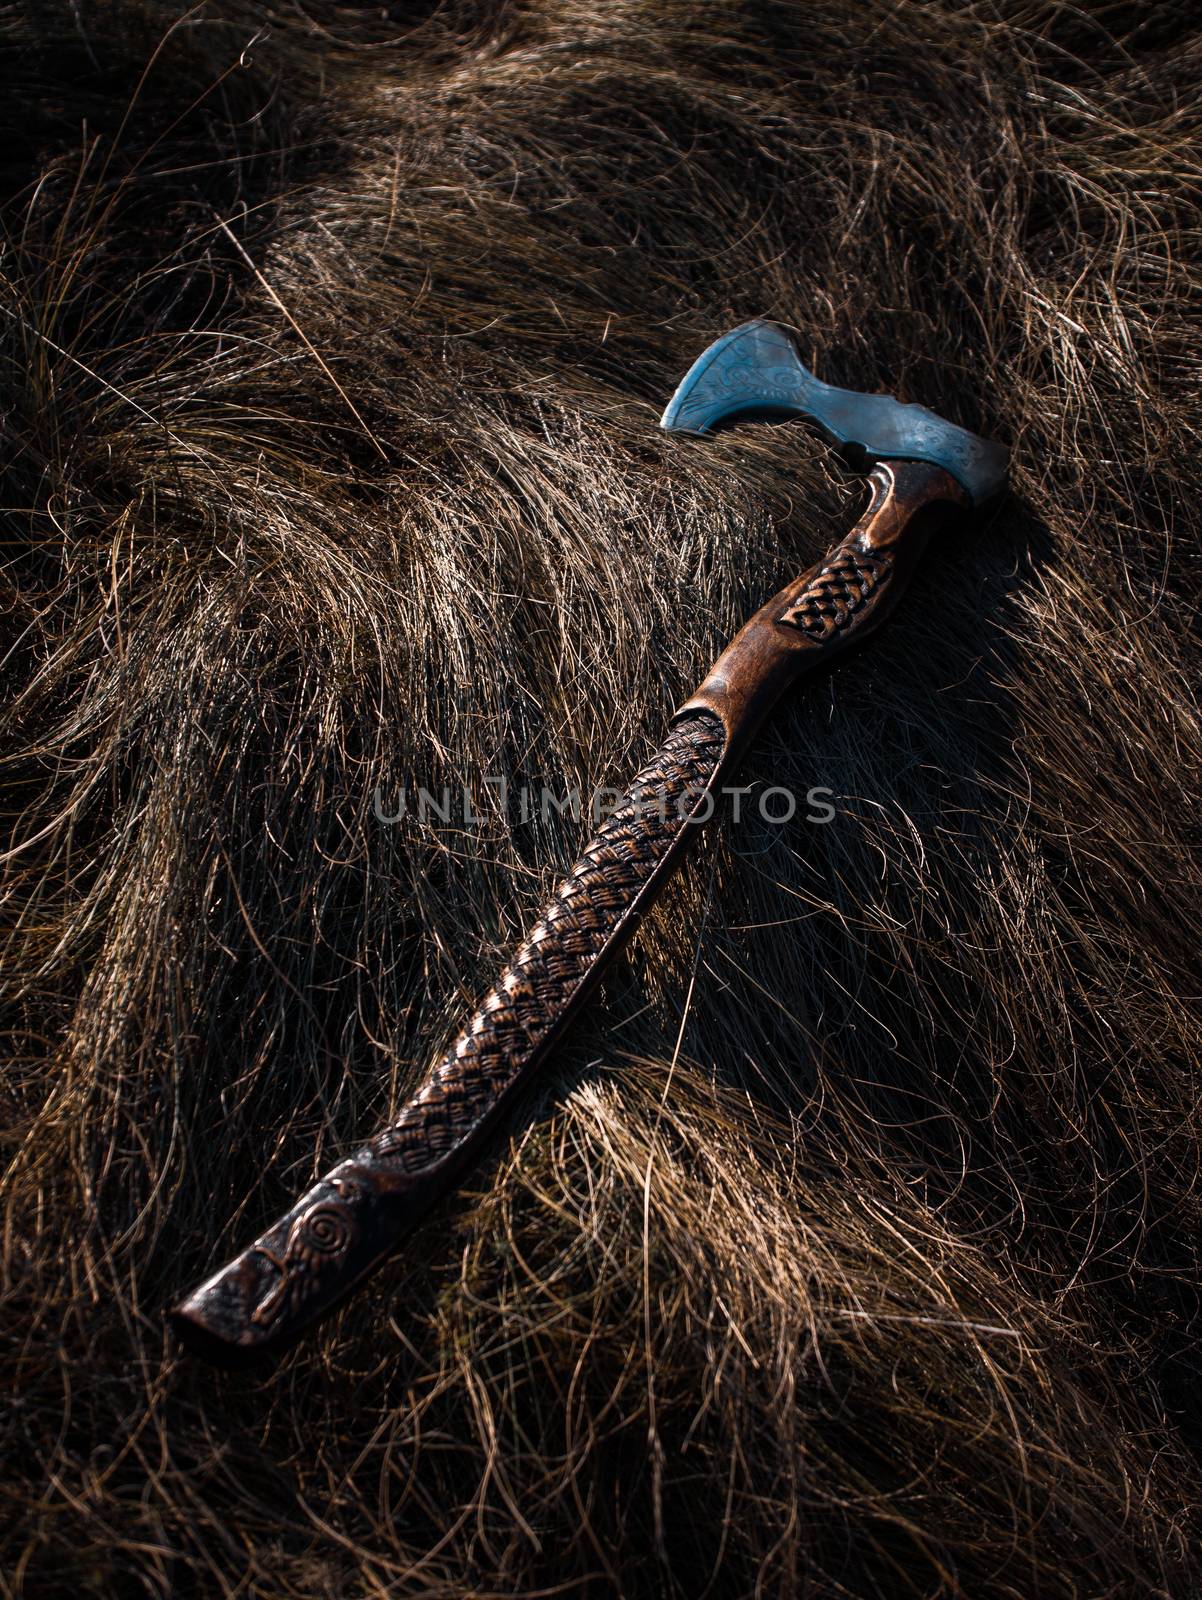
840, 589
554, 960
354, 1215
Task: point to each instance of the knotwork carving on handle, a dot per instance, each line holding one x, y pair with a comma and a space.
839, 590
349, 1219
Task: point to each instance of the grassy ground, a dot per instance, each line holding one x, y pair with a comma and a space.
851, 1247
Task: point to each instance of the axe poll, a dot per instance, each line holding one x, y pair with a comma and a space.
350, 1220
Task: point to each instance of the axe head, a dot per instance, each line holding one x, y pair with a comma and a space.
756, 372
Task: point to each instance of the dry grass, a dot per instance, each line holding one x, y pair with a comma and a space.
852, 1248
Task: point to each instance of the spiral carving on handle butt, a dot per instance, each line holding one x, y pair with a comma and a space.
318, 1240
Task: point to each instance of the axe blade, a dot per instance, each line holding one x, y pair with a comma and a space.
756, 372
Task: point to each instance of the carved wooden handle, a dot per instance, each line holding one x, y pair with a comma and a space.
337, 1232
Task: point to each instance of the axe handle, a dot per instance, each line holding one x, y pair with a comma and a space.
352, 1218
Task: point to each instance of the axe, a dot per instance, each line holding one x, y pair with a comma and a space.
349, 1221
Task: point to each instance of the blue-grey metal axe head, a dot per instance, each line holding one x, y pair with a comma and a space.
756, 372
